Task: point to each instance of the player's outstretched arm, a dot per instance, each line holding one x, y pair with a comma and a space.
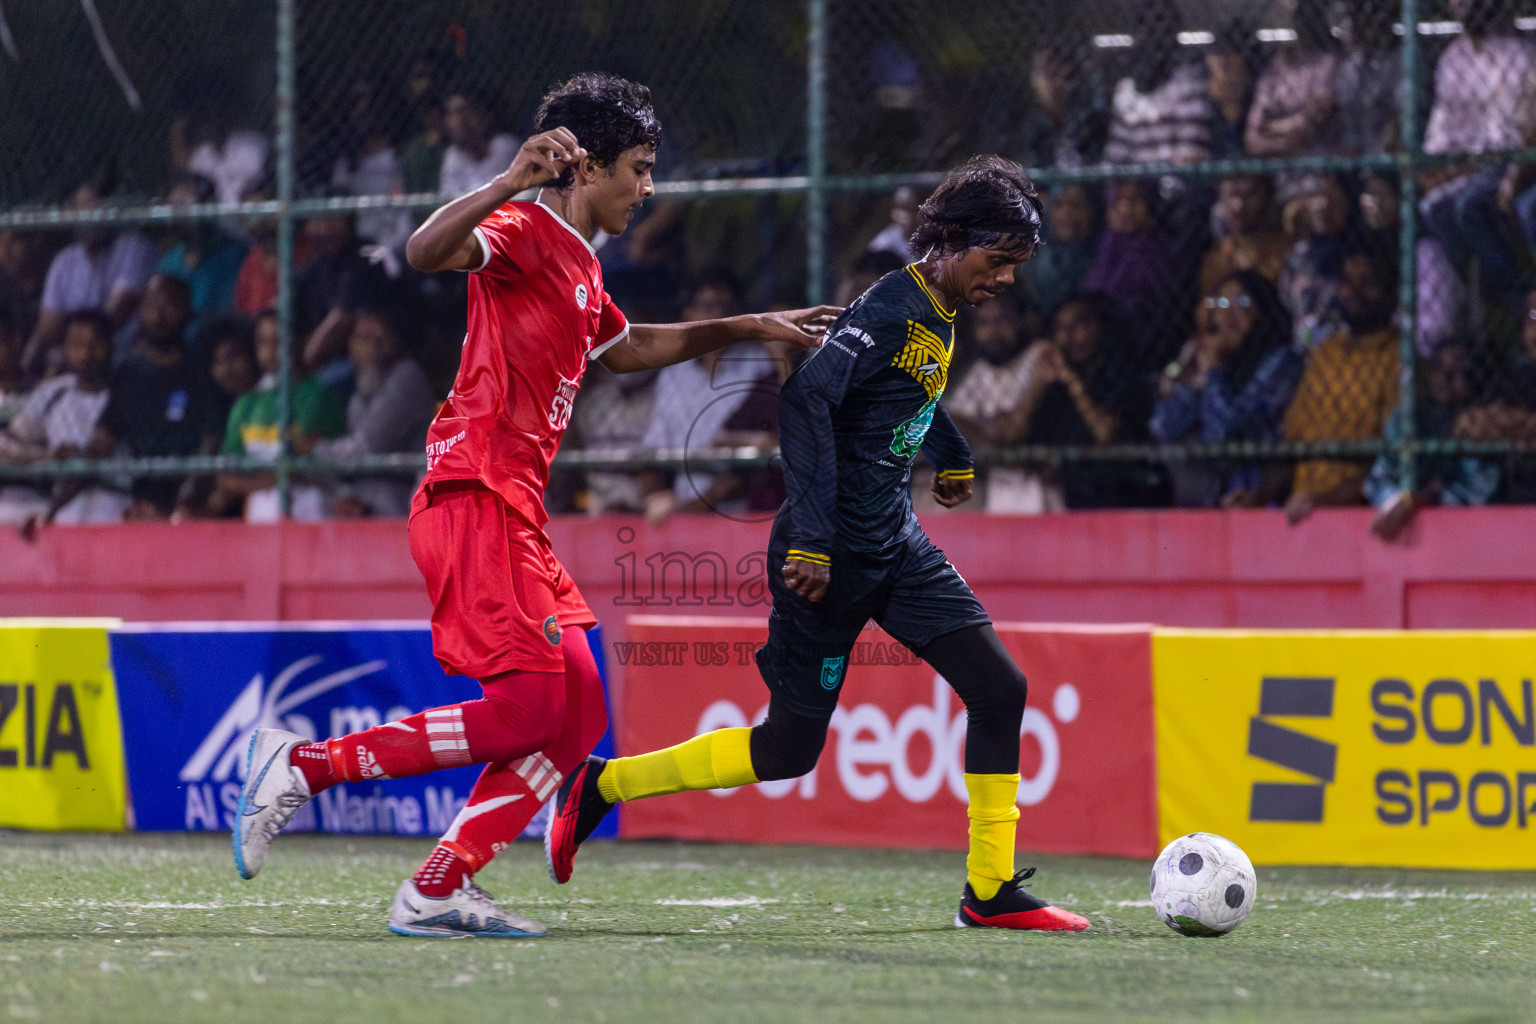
446, 241
652, 346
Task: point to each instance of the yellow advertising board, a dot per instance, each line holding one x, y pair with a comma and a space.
61, 744
1390, 748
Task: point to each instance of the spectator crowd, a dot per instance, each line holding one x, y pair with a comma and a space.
1167, 308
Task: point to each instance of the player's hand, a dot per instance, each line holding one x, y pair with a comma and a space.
543, 158
950, 493
803, 328
808, 579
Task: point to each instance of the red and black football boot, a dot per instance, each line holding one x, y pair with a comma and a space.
579, 806
1012, 907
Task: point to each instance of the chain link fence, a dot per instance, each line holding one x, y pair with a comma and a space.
1288, 250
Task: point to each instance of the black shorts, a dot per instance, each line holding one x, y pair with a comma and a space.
915, 595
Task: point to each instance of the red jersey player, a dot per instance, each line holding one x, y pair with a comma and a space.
504, 609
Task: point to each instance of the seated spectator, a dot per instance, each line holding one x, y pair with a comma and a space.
1078, 389
1348, 388
1248, 237
389, 411
1443, 391
202, 253
1321, 220
232, 366
207, 142
13, 383
1294, 108
474, 155
57, 423
1483, 103
1368, 82
694, 402
613, 412
160, 397
421, 157
21, 281
1134, 266
256, 284
336, 283
893, 237
1160, 112
982, 402
871, 266
1441, 297
369, 166
1229, 86
1063, 127
101, 270
1058, 267
315, 412
1232, 382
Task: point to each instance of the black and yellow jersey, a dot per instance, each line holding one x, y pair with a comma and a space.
855, 414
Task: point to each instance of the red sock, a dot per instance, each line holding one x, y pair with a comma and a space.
508, 794
315, 762
442, 873
521, 712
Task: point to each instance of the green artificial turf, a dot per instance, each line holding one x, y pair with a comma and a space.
158, 928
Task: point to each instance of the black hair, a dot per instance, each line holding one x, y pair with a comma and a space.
222, 327
1386, 271
95, 318
716, 277
987, 202
607, 114
1271, 328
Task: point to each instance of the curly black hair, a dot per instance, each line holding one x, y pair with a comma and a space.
987, 202
607, 114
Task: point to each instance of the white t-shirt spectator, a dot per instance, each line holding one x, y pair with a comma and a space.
235, 166
1483, 96
59, 414
463, 173
986, 391
376, 174
78, 281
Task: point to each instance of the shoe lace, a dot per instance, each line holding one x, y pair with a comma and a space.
1021, 876
287, 804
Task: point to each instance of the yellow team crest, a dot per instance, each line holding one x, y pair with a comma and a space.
926, 357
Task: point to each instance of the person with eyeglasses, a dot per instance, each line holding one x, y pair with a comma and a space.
1232, 382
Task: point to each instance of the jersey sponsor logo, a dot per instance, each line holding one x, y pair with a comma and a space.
437, 449
926, 357
560, 406
552, 630
581, 295
908, 437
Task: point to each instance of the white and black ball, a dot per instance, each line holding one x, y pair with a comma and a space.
1203, 885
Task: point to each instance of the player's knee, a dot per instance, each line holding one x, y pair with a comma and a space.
784, 750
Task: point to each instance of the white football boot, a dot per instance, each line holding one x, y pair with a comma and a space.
274, 791
467, 911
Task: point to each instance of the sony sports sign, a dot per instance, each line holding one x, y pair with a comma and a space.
1414, 749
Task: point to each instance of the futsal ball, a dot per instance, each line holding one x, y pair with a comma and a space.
1202, 884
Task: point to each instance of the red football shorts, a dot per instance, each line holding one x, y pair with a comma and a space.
499, 596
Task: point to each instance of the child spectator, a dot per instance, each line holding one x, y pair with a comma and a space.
1058, 267
1348, 388
1443, 391
1232, 382
58, 422
101, 270
474, 155
389, 411
160, 397
315, 412
1248, 236
1134, 266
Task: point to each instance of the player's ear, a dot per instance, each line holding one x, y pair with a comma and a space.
590, 169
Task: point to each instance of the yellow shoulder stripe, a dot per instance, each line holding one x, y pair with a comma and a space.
938, 307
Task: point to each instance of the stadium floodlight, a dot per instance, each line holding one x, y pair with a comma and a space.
1110, 42
1276, 35
1197, 38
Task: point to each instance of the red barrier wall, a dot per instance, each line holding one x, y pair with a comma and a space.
892, 771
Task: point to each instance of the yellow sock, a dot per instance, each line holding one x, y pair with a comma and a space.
994, 813
716, 760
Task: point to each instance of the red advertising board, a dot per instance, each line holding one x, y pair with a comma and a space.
892, 772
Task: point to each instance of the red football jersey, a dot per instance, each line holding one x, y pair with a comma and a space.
537, 314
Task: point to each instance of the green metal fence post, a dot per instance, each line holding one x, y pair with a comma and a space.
816, 153
286, 62
1408, 270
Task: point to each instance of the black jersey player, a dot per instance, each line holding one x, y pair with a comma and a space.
852, 419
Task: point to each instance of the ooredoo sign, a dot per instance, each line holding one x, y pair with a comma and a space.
892, 770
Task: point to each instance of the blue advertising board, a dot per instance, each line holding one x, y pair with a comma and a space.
190, 694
